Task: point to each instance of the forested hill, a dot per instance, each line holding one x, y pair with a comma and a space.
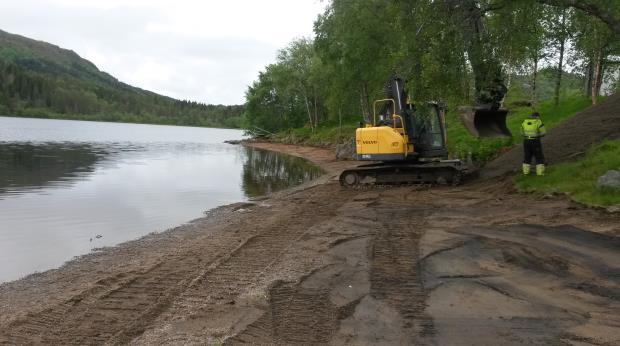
38, 79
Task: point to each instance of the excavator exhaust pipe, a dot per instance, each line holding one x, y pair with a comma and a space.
485, 122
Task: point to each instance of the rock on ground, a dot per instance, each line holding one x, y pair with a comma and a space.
346, 151
609, 180
614, 208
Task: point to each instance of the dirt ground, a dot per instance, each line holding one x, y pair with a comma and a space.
318, 264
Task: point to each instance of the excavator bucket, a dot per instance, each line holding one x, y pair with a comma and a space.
485, 122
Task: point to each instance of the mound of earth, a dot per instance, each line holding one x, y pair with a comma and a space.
570, 139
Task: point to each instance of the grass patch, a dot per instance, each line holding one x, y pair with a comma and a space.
578, 179
461, 144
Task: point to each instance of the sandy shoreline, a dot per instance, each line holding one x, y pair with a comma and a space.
320, 264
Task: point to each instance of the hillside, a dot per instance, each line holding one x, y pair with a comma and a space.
43, 57
569, 140
39, 79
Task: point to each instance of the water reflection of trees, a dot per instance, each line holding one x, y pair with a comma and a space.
267, 171
25, 166
32, 166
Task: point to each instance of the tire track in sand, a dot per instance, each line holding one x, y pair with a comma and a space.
117, 311
395, 273
299, 315
204, 274
241, 269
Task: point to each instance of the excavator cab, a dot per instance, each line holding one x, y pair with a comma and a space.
429, 129
488, 122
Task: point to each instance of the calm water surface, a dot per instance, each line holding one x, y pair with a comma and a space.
67, 187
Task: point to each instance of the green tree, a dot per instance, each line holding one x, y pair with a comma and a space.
596, 43
298, 59
357, 39
457, 51
608, 11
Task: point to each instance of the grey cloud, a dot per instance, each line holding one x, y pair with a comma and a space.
197, 66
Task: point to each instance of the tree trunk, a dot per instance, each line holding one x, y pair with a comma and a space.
596, 77
508, 81
364, 103
308, 110
588, 89
339, 122
558, 79
534, 97
601, 73
316, 112
466, 81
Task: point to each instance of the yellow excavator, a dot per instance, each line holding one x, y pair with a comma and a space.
407, 141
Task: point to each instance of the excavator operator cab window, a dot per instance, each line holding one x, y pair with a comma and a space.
436, 132
430, 133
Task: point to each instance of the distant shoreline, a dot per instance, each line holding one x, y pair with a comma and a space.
113, 121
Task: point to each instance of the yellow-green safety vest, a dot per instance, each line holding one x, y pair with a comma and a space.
533, 128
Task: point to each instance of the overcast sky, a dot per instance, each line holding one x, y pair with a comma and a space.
207, 51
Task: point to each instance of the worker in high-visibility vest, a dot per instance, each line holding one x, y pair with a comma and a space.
533, 130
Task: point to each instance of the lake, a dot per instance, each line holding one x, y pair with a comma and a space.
67, 187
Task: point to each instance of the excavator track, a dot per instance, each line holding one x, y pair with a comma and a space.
435, 172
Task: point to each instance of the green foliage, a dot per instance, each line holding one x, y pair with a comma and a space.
331, 79
604, 10
286, 94
578, 179
521, 87
447, 50
41, 80
357, 40
326, 135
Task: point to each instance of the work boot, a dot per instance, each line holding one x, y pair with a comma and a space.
526, 168
540, 169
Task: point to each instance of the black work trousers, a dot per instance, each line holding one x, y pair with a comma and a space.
532, 148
